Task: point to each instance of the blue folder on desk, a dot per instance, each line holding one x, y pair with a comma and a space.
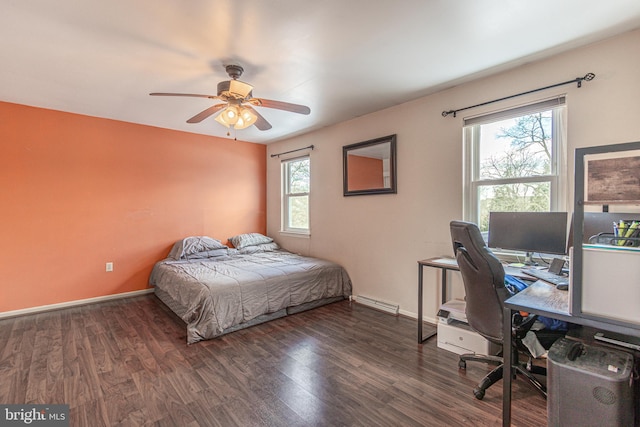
514, 284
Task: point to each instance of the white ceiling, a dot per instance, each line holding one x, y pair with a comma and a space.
342, 58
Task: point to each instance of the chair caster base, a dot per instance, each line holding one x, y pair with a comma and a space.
478, 393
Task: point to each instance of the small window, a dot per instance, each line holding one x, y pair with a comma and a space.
515, 161
296, 174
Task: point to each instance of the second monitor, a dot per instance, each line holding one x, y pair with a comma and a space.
530, 232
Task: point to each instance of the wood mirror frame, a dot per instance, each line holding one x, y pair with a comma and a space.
369, 167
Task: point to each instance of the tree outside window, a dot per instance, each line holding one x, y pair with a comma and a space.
514, 166
520, 148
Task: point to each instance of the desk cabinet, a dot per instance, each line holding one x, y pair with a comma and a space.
604, 277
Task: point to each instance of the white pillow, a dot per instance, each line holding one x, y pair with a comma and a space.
249, 239
194, 244
264, 247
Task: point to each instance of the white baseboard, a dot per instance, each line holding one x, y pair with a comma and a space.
404, 312
385, 306
415, 316
42, 308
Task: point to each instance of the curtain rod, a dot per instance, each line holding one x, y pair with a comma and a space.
292, 151
577, 80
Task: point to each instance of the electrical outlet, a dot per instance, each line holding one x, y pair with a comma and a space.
109, 266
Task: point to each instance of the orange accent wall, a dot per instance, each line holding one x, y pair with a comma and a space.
78, 191
365, 173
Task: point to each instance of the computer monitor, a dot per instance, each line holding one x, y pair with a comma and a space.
541, 232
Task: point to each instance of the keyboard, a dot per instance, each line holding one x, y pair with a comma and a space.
545, 275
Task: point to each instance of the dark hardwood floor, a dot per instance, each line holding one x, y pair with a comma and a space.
126, 362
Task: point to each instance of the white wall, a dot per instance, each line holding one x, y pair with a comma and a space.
379, 238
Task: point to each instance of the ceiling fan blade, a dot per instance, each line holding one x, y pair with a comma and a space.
261, 123
184, 94
206, 113
279, 105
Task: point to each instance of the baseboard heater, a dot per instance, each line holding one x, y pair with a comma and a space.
379, 305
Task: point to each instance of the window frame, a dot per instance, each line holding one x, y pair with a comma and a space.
287, 195
471, 156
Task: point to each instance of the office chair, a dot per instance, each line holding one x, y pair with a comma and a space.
483, 278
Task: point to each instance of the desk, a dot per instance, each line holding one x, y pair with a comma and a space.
543, 299
444, 264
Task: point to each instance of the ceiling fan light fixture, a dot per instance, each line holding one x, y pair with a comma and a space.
220, 120
236, 117
230, 115
240, 124
247, 117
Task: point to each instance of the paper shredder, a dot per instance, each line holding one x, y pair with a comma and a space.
589, 385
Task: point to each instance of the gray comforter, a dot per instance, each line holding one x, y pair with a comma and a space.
215, 295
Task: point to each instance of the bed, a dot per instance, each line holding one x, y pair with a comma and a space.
216, 289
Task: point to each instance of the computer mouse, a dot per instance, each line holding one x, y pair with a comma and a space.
563, 286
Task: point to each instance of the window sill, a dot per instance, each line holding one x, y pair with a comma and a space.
298, 234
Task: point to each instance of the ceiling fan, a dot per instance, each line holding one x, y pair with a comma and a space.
238, 102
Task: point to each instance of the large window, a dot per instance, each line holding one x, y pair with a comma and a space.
515, 161
296, 174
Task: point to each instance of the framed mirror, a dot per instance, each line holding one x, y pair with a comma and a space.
369, 167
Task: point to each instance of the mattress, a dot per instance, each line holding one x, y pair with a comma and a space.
217, 295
